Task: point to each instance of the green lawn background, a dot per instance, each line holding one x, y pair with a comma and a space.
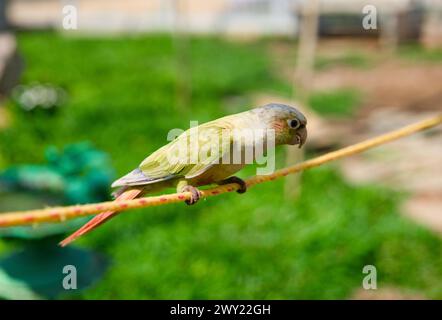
258, 245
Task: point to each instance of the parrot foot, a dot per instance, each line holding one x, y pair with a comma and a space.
196, 194
242, 184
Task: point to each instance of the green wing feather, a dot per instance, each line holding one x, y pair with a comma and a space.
167, 161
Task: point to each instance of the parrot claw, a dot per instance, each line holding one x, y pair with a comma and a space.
196, 195
242, 184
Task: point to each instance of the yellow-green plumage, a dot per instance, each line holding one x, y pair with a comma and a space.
157, 171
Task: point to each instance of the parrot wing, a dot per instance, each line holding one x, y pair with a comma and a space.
136, 178
191, 153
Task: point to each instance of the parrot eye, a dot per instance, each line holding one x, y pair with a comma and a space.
294, 123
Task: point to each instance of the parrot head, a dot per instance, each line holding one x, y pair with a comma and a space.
290, 124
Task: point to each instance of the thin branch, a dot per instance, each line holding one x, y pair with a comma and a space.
58, 214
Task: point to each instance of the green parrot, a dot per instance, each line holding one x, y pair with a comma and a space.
205, 154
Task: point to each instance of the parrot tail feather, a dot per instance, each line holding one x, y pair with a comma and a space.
100, 218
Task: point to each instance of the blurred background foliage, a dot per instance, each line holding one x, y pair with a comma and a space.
341, 102
259, 245
77, 174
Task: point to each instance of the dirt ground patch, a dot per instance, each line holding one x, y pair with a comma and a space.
396, 91
388, 80
389, 293
392, 84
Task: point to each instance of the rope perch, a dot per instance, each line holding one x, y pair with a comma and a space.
60, 214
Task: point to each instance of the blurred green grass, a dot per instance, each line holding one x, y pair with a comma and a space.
349, 59
258, 245
338, 102
417, 53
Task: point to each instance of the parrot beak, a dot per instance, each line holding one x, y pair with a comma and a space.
300, 137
